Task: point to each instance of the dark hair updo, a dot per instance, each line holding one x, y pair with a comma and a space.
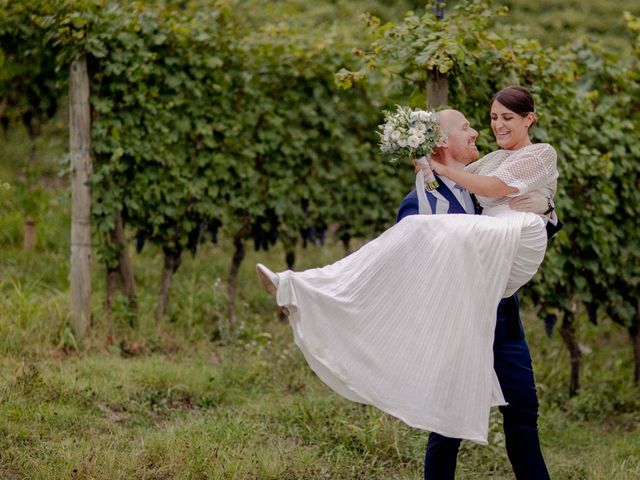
517, 99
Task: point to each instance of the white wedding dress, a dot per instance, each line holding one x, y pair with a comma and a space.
406, 323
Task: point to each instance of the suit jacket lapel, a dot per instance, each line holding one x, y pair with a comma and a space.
476, 204
447, 194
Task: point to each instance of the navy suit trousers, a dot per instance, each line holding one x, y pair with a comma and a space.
512, 363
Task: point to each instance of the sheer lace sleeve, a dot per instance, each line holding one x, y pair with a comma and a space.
477, 166
529, 169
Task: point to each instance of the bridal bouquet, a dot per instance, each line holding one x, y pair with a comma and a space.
408, 134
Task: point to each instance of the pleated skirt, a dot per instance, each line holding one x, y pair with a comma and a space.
406, 323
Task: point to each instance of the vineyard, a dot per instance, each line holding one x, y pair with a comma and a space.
207, 136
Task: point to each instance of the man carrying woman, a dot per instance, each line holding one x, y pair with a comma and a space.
512, 360
407, 322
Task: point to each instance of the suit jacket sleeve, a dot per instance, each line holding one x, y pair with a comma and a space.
409, 206
553, 229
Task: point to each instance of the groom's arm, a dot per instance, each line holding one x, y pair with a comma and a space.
534, 202
409, 206
554, 225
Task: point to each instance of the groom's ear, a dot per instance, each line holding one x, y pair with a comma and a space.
443, 143
438, 153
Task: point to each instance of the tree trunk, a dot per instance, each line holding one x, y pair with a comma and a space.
29, 237
568, 334
346, 243
33, 151
4, 103
171, 264
4, 121
437, 89
634, 334
232, 287
34, 130
112, 275
290, 258
81, 167
125, 268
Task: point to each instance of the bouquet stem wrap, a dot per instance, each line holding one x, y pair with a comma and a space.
430, 184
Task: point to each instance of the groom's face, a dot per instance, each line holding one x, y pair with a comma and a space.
461, 138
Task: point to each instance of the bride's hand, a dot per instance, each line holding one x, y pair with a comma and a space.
437, 167
533, 201
426, 169
416, 167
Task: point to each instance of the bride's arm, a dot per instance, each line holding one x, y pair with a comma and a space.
484, 186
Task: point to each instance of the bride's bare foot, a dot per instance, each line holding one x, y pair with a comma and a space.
268, 279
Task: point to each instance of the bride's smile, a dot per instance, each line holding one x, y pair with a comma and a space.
510, 129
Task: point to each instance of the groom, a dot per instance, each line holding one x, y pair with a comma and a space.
512, 361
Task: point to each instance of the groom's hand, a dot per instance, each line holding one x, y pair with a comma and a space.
534, 202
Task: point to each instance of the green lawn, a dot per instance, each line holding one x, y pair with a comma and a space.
192, 397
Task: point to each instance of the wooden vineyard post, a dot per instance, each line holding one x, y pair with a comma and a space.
437, 89
437, 83
29, 236
81, 168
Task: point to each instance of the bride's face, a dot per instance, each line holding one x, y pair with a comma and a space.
510, 128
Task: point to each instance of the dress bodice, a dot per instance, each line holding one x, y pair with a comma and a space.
533, 167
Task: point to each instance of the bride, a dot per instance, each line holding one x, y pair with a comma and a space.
406, 323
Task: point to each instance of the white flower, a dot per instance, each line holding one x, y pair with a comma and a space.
413, 141
395, 135
402, 142
418, 128
424, 116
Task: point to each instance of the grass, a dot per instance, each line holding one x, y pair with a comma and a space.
192, 397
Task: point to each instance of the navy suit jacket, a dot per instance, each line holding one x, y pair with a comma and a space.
508, 326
